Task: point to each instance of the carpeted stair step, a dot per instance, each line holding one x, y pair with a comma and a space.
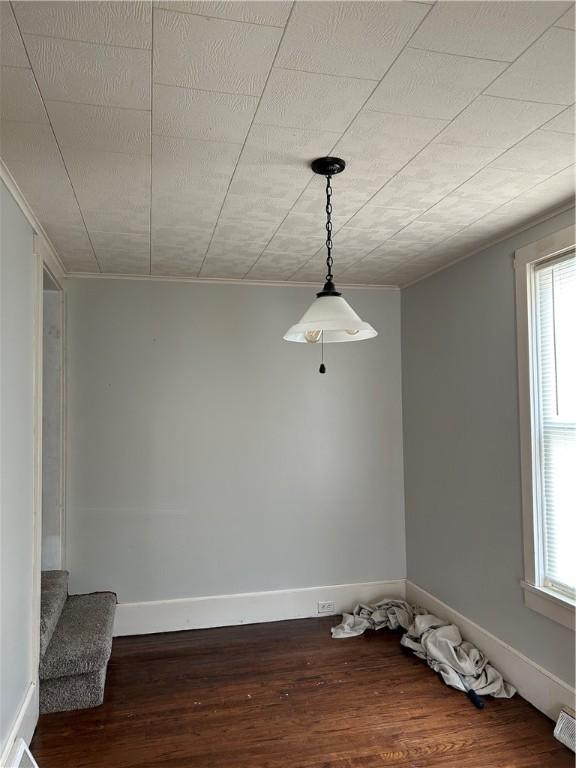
73, 669
53, 594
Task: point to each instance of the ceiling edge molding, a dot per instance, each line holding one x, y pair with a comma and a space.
43, 245
225, 281
532, 223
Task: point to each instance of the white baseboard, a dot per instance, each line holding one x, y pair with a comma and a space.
23, 727
247, 608
541, 688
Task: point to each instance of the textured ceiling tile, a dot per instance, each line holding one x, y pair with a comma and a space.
304, 226
292, 246
245, 232
12, 51
305, 100
367, 272
227, 259
180, 164
275, 162
107, 129
543, 152
544, 73
350, 244
498, 185
314, 268
185, 209
136, 221
393, 252
193, 240
274, 13
31, 154
115, 23
392, 138
253, 207
363, 175
556, 191
343, 38
189, 180
454, 209
73, 245
432, 84
202, 114
19, 96
121, 252
310, 272
175, 262
90, 73
274, 267
345, 203
212, 54
379, 219
567, 21
449, 163
412, 193
491, 30
106, 181
425, 232
565, 122
495, 122
433, 174
562, 183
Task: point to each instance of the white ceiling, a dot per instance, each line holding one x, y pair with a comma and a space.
175, 138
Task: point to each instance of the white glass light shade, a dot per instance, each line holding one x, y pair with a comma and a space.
332, 319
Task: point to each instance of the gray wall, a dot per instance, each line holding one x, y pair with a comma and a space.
461, 446
17, 310
208, 456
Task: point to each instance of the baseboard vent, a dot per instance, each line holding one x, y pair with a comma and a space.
565, 730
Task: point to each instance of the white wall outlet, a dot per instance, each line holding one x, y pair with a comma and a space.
326, 606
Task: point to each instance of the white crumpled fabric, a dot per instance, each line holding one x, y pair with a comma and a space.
439, 643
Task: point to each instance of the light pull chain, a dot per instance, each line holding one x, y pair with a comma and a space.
322, 368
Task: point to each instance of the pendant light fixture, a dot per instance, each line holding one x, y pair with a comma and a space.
330, 318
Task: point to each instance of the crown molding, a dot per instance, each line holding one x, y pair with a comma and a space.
42, 245
532, 223
225, 281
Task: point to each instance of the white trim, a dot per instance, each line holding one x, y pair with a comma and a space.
246, 608
551, 604
23, 727
484, 247
227, 281
21, 749
541, 688
536, 597
63, 433
44, 246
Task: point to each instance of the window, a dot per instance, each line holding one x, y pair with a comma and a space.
546, 313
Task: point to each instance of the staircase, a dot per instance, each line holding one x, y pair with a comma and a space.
75, 645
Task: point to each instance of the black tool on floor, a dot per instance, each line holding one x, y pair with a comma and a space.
478, 702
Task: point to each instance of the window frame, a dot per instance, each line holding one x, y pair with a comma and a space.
552, 604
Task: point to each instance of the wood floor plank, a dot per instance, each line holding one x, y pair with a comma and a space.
285, 695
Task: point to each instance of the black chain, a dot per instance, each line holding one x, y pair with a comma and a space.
329, 259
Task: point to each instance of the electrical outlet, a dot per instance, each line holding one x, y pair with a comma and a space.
326, 606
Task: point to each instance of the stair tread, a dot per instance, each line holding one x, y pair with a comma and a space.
53, 594
82, 640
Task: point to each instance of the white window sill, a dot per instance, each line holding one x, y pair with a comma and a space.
551, 604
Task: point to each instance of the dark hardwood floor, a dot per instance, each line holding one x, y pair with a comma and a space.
286, 695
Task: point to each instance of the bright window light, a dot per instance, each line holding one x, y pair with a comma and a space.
554, 420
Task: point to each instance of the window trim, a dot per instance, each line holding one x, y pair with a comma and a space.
552, 604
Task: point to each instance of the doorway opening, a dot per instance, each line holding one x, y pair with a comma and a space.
53, 521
